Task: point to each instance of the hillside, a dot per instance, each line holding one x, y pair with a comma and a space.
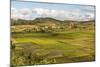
49, 25
43, 20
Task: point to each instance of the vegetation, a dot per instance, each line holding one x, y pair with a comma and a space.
50, 41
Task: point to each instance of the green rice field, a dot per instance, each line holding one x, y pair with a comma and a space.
46, 48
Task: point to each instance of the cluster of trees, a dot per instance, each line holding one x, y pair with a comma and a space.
49, 25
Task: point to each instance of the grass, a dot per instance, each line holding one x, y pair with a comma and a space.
63, 46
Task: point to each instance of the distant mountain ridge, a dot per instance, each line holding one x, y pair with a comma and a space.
43, 20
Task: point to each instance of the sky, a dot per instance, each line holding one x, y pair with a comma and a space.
31, 10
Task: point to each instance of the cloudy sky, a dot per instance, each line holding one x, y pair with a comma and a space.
32, 10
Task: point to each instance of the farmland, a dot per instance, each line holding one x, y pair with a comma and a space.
51, 41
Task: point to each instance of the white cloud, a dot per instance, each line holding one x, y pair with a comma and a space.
74, 14
25, 11
14, 13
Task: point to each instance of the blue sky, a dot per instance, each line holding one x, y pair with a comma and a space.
20, 4
32, 10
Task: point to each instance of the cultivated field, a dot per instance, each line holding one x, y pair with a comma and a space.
33, 46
